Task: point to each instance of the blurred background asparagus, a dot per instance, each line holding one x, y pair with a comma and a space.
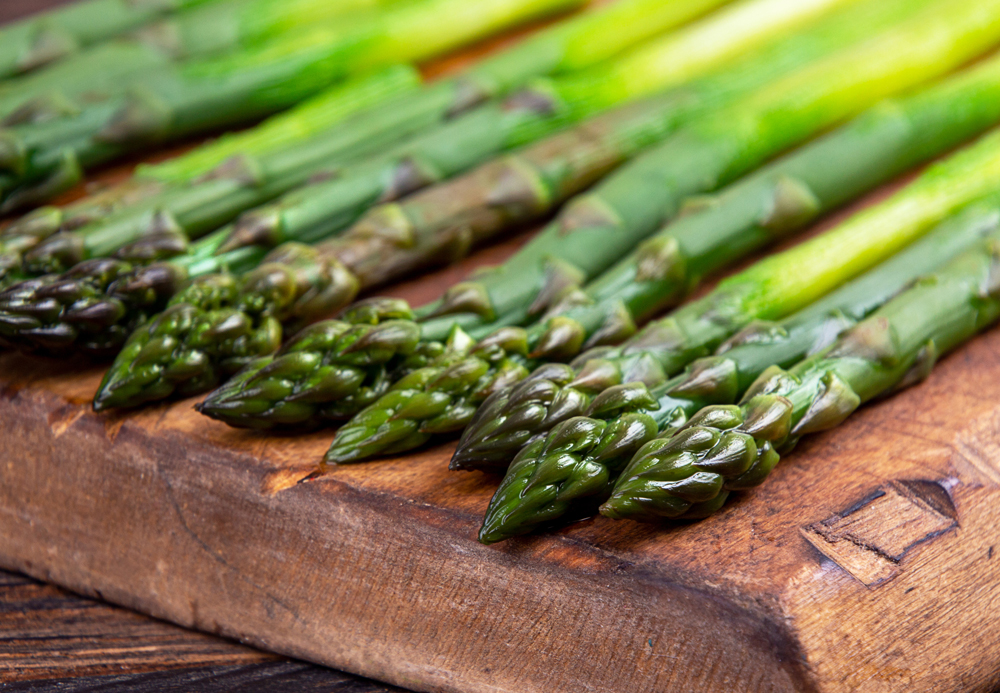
201, 94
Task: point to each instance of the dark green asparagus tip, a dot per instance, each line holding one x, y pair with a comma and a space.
573, 468
183, 352
426, 401
327, 372
92, 308
722, 448
55, 254
511, 417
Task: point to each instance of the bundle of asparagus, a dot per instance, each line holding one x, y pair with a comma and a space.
784, 196
248, 400
573, 468
100, 276
772, 289
49, 36
589, 152
202, 94
121, 381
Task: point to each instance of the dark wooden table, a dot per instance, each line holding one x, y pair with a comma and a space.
51, 640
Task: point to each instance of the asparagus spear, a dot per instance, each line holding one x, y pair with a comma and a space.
787, 194
526, 116
733, 448
551, 51
111, 67
575, 466
201, 94
773, 288
49, 36
579, 156
465, 384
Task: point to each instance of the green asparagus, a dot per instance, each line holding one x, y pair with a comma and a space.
574, 467
208, 203
733, 448
705, 153
579, 155
528, 115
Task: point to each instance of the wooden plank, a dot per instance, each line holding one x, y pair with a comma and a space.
53, 640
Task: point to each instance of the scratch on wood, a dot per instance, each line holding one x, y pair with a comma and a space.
283, 479
112, 427
979, 462
64, 417
871, 538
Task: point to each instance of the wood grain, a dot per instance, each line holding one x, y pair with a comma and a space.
866, 563
53, 640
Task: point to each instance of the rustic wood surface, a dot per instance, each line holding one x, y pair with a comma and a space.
866, 563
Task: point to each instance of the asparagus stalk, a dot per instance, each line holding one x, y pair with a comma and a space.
580, 156
733, 448
220, 27
453, 405
202, 94
772, 289
574, 467
526, 116
49, 36
784, 196
552, 51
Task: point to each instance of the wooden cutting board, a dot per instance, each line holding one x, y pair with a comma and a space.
866, 563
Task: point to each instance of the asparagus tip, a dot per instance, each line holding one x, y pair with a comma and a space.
618, 507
